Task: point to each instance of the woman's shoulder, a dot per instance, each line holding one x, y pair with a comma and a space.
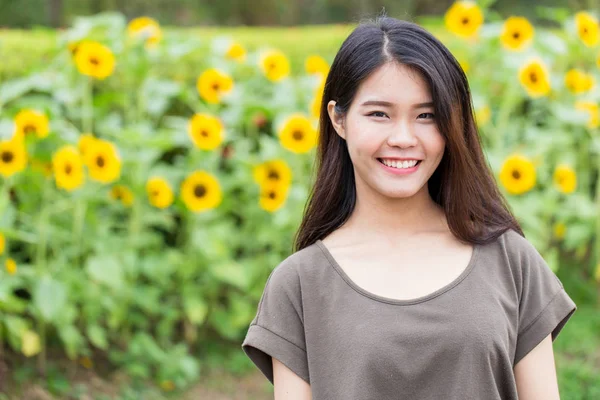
517, 245
300, 262
521, 255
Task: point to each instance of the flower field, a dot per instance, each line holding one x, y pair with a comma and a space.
143, 206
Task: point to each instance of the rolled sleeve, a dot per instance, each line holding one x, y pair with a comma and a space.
550, 320
261, 344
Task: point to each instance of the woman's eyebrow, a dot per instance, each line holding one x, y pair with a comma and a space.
383, 103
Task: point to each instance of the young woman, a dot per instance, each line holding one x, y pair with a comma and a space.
410, 279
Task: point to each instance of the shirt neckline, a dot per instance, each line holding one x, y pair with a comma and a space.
389, 300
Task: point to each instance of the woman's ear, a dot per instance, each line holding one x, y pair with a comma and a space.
336, 118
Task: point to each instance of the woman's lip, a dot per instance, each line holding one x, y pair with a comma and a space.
400, 171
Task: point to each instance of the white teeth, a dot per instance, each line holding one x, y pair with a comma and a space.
399, 164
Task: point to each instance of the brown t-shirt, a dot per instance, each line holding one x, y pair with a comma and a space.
459, 342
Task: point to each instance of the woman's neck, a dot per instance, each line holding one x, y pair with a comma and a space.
384, 217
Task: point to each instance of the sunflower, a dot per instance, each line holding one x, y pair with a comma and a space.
274, 171
201, 191
236, 52
559, 230
13, 156
30, 343
535, 78
272, 196
465, 65
315, 107
212, 84
94, 59
565, 178
159, 192
31, 122
2, 243
73, 46
587, 28
483, 115
11, 266
464, 18
206, 131
145, 28
85, 141
518, 174
578, 81
316, 64
103, 161
122, 193
67, 166
517, 33
274, 65
297, 134
593, 111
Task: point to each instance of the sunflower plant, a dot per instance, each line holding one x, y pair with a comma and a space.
143, 210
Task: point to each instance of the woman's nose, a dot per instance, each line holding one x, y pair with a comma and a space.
402, 135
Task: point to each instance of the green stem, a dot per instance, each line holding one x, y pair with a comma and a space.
43, 232
597, 244
78, 222
42, 355
509, 101
88, 106
135, 223
40, 262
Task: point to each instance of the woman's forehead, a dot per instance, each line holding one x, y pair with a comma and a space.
395, 84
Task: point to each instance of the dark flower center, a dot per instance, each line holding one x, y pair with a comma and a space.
273, 175
68, 169
465, 21
533, 77
94, 61
516, 174
199, 191
272, 194
100, 161
7, 156
29, 129
297, 135
516, 35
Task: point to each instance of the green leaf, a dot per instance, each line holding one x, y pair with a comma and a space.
15, 326
232, 273
97, 336
49, 298
106, 270
196, 310
72, 339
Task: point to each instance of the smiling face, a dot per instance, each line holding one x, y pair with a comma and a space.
391, 119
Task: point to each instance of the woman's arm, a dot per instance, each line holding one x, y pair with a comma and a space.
535, 373
288, 385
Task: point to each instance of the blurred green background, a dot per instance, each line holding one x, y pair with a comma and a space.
115, 285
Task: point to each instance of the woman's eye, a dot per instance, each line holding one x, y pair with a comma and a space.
376, 112
432, 115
